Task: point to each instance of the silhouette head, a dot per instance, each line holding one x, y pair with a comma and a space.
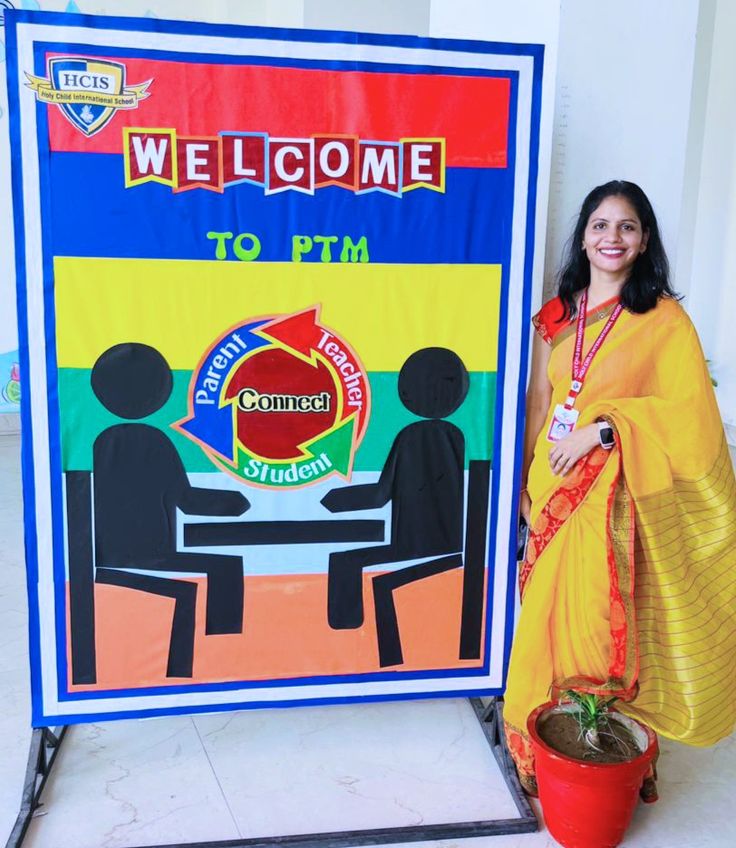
433, 382
132, 380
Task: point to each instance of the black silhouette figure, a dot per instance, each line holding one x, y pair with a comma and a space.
423, 479
139, 482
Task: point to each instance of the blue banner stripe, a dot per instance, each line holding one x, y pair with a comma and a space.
152, 222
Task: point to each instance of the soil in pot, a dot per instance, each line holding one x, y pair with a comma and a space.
561, 731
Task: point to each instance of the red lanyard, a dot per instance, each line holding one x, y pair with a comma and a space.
580, 369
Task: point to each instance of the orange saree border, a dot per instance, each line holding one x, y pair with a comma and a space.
623, 668
620, 531
561, 505
520, 748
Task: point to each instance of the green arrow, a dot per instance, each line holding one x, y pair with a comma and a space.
336, 446
324, 455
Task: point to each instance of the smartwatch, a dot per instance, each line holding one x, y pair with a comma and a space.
605, 434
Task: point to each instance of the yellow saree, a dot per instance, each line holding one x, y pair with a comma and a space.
629, 586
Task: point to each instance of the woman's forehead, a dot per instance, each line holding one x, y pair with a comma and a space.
614, 208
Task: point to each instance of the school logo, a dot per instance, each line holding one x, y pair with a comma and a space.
279, 402
87, 91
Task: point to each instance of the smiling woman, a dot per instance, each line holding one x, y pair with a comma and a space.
615, 249
614, 237
629, 494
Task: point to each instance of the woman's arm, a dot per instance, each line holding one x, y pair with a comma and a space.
538, 397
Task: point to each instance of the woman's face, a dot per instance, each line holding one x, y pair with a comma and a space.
613, 236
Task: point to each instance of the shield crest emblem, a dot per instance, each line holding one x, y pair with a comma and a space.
87, 77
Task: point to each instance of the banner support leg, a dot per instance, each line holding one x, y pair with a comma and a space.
45, 744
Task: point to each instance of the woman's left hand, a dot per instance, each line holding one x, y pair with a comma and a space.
564, 454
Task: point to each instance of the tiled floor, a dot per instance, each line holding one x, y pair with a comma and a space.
273, 772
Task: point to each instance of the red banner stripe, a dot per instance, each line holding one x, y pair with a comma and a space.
202, 100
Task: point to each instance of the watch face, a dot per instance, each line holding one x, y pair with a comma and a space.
607, 435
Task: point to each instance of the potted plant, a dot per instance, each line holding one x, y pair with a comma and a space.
590, 762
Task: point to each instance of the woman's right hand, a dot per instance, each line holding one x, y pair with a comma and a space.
525, 507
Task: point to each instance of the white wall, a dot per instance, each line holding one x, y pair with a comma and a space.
624, 84
711, 298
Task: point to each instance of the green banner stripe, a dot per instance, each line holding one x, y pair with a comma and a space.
83, 418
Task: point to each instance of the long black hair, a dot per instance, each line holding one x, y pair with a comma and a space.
649, 276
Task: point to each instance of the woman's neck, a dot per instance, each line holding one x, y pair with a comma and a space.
603, 287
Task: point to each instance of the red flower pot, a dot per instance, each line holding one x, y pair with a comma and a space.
589, 805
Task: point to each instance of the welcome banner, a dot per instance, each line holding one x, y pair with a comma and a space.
274, 288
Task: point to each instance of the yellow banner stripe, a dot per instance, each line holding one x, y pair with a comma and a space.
180, 307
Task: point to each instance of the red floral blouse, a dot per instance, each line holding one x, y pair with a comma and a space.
549, 321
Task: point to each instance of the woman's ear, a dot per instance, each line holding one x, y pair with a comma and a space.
644, 241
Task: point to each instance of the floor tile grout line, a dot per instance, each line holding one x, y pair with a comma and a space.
217, 778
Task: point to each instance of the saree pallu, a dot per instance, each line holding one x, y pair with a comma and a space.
629, 585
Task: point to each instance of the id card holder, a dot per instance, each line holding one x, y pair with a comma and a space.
563, 423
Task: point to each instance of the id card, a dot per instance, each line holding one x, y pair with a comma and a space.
563, 423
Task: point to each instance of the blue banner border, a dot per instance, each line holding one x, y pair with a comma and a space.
14, 17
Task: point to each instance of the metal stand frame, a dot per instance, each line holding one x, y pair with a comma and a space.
45, 745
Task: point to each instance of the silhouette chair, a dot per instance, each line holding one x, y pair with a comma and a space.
473, 562
423, 479
137, 484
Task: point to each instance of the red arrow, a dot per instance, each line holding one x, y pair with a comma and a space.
298, 332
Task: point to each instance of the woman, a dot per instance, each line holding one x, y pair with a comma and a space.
629, 586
